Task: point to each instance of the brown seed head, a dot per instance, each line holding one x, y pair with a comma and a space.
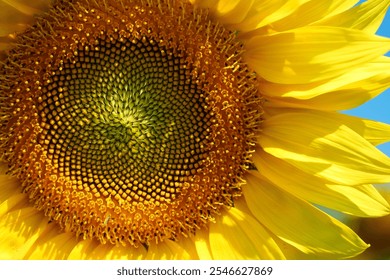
128, 121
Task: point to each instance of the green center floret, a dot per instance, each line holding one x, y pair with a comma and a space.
138, 111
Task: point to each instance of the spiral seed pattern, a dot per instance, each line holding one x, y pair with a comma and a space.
129, 122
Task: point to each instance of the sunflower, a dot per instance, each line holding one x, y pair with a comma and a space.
174, 129
374, 230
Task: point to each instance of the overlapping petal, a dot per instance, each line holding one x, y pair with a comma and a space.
373, 131
202, 244
364, 201
237, 235
322, 146
347, 91
279, 15
19, 231
308, 12
53, 244
170, 250
9, 188
92, 250
227, 11
368, 16
16, 15
312, 54
298, 223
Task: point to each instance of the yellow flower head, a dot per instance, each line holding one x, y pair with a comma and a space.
188, 129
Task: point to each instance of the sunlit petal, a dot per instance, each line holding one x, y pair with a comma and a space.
324, 147
314, 226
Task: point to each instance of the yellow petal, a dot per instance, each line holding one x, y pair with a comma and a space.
168, 250
374, 132
237, 235
125, 253
83, 250
19, 229
202, 244
53, 244
205, 4
11, 203
283, 15
10, 186
16, 15
299, 223
364, 201
292, 253
325, 148
312, 11
266, 12
311, 54
96, 250
26, 7
7, 28
227, 11
368, 16
346, 91
93, 250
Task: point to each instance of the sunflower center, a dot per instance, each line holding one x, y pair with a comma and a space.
130, 121
137, 119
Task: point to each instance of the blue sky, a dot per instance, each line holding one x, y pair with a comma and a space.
379, 107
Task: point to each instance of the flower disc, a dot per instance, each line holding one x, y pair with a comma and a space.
128, 121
